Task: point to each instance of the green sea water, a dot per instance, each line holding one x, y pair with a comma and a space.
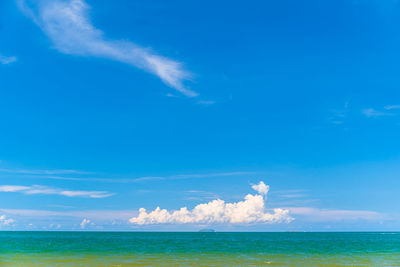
198, 249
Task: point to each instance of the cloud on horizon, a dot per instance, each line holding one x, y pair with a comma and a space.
67, 24
329, 215
251, 210
44, 190
85, 222
5, 221
108, 218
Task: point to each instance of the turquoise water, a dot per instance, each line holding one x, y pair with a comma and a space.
198, 249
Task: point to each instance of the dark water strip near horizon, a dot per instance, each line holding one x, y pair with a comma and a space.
198, 249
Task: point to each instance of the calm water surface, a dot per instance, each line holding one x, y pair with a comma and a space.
198, 249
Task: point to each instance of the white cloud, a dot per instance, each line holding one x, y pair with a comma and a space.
68, 25
373, 113
331, 215
261, 188
44, 190
13, 188
91, 194
7, 60
251, 210
85, 222
390, 107
47, 174
43, 172
6, 221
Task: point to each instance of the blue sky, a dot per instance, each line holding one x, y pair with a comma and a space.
107, 108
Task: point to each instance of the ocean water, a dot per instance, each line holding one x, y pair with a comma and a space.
198, 249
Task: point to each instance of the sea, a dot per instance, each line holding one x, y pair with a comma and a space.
199, 249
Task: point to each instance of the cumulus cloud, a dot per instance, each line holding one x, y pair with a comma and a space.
261, 188
6, 221
251, 210
7, 60
44, 190
85, 222
67, 24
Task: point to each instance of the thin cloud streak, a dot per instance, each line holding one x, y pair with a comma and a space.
68, 26
135, 180
292, 195
338, 116
184, 176
373, 113
329, 215
391, 107
43, 172
7, 60
93, 214
44, 190
206, 102
200, 195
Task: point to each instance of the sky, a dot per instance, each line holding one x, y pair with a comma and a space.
154, 115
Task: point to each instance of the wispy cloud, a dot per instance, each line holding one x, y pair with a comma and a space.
251, 210
85, 222
5, 221
189, 176
43, 172
292, 195
206, 102
338, 116
123, 215
205, 175
200, 195
13, 188
7, 60
333, 215
33, 174
67, 24
44, 190
373, 113
391, 107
